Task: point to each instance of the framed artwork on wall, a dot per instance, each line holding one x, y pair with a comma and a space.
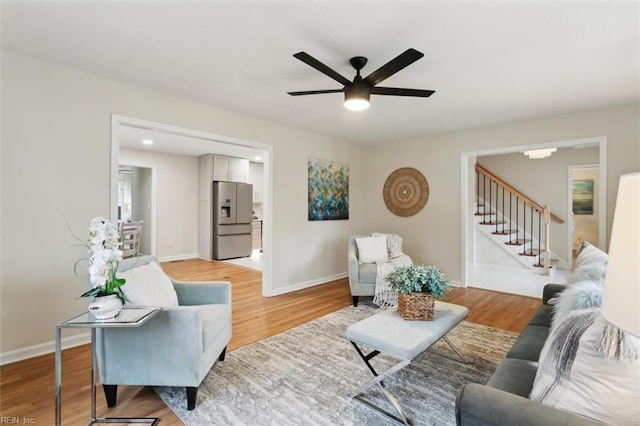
328, 190
583, 196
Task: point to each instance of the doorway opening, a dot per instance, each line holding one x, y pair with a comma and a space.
502, 278
584, 206
191, 143
137, 201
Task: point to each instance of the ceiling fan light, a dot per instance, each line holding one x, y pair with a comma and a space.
356, 97
356, 104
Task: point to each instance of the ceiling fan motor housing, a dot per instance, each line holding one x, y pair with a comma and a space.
357, 90
358, 62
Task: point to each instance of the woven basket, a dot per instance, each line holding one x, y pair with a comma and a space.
416, 306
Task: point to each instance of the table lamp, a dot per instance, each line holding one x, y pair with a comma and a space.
621, 297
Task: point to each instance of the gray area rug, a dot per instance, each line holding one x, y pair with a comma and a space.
303, 376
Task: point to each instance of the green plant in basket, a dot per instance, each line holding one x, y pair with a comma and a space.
419, 279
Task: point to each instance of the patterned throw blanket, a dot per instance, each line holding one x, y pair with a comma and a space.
385, 296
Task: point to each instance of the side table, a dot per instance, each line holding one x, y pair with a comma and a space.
128, 317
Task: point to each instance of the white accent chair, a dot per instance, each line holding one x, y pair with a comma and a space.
362, 276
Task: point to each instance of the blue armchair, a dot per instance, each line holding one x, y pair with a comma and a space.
178, 347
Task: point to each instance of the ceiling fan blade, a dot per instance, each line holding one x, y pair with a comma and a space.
315, 92
401, 61
313, 62
396, 91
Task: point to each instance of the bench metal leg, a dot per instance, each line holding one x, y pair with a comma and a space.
378, 379
454, 349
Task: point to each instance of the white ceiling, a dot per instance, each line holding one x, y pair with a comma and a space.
489, 62
164, 141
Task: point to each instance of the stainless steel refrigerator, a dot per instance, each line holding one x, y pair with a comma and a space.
232, 213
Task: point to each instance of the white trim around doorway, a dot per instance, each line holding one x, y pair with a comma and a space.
467, 160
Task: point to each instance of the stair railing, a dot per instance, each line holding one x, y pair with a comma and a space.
538, 215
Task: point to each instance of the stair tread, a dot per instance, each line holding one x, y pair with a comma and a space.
552, 263
505, 232
518, 242
492, 223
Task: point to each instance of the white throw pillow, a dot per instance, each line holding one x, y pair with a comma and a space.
605, 390
148, 285
394, 244
372, 249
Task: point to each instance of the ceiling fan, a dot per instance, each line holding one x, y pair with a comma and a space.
358, 91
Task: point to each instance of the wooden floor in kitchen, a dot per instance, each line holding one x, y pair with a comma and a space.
27, 387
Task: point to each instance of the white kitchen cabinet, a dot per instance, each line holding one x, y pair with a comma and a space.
230, 169
255, 178
205, 189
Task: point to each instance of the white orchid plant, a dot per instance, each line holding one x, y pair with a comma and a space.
104, 257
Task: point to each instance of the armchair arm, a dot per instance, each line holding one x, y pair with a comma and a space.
483, 405
353, 269
203, 292
154, 353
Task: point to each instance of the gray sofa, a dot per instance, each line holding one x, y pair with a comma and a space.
504, 400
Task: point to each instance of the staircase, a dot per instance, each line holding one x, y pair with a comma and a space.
514, 222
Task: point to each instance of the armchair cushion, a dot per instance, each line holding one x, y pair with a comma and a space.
148, 285
367, 273
372, 249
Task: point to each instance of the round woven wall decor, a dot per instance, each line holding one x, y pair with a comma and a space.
405, 192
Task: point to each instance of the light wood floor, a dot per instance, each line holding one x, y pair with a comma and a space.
27, 387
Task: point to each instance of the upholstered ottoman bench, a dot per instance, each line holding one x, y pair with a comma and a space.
387, 332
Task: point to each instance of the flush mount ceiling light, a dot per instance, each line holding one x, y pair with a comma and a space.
358, 91
147, 141
540, 153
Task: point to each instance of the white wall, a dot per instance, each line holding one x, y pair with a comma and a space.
56, 158
176, 200
435, 232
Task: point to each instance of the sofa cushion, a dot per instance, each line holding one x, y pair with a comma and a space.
367, 273
542, 317
515, 376
529, 344
372, 249
574, 375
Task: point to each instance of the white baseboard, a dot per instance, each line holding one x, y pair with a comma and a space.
178, 257
307, 284
44, 348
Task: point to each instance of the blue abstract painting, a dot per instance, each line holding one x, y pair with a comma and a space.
328, 190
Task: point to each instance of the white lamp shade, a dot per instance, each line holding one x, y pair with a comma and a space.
621, 297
